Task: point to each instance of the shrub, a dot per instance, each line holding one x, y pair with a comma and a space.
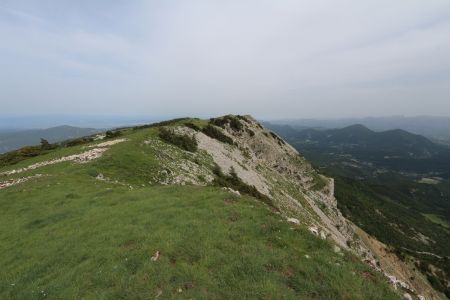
279, 140
234, 182
45, 145
319, 183
29, 151
112, 134
76, 142
250, 132
23, 153
193, 126
243, 118
233, 121
188, 143
235, 124
220, 122
217, 134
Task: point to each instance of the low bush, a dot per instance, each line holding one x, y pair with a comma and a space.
220, 122
23, 153
185, 142
319, 182
279, 140
77, 142
217, 134
243, 118
233, 121
193, 126
234, 182
45, 145
112, 134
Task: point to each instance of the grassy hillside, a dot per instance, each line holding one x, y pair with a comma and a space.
74, 234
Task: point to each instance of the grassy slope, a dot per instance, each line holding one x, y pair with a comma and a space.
68, 235
438, 220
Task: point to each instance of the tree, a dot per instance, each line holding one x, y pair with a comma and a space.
45, 145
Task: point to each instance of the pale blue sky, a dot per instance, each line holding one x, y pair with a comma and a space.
290, 58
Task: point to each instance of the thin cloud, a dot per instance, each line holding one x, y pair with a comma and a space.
275, 59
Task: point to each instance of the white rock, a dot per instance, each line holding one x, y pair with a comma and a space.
314, 230
293, 221
403, 284
407, 296
156, 256
232, 191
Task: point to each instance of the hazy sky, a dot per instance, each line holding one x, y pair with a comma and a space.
288, 58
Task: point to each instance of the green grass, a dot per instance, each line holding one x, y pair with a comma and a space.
69, 236
74, 237
438, 220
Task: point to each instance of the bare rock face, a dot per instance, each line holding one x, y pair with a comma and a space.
262, 159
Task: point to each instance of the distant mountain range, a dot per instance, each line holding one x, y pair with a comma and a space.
396, 150
357, 138
437, 128
43, 121
11, 139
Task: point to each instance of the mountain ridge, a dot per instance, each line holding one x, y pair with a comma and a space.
234, 155
395, 142
434, 127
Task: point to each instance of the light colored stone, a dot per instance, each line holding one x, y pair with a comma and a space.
293, 221
407, 296
16, 181
314, 230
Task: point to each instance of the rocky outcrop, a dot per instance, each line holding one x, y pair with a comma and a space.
262, 159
